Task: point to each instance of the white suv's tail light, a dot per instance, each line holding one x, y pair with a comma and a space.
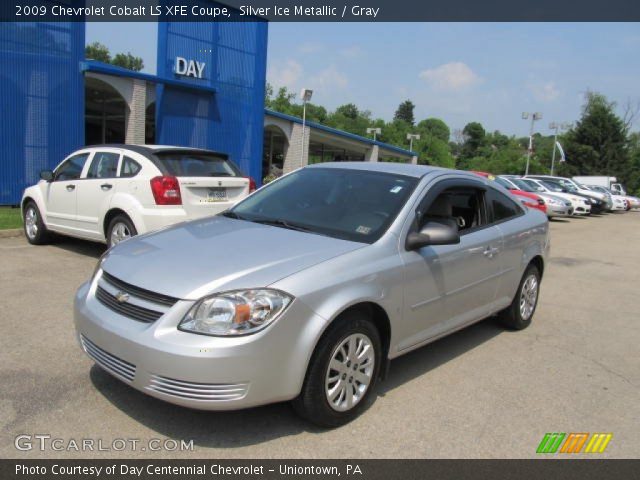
166, 190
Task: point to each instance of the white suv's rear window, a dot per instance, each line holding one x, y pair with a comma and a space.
189, 164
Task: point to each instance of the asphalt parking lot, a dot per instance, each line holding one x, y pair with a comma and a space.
480, 393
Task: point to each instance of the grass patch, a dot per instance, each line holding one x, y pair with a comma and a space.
10, 218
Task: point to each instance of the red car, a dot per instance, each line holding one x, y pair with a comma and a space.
528, 199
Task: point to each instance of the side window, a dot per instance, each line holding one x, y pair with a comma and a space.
104, 165
71, 169
130, 167
461, 206
503, 207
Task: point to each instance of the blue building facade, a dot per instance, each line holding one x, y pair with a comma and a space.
41, 100
216, 101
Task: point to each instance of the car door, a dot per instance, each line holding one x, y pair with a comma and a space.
61, 194
448, 286
509, 217
96, 190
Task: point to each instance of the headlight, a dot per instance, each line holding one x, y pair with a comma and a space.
553, 201
239, 312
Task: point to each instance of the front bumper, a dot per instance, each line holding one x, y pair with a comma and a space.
558, 211
582, 210
199, 371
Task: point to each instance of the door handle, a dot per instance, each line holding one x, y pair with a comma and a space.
106, 186
71, 188
490, 251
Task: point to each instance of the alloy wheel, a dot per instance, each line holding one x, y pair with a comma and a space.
350, 372
31, 222
119, 232
528, 296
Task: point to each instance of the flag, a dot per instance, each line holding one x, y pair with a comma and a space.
562, 157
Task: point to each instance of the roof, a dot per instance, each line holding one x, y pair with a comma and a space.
149, 149
341, 133
407, 169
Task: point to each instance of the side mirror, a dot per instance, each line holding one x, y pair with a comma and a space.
433, 233
46, 175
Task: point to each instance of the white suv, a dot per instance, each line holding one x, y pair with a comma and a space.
109, 193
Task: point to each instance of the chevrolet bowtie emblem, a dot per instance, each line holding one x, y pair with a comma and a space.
122, 297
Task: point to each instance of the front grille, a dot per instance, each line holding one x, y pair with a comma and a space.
198, 391
111, 363
127, 309
139, 292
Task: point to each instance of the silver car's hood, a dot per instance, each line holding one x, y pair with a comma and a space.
214, 254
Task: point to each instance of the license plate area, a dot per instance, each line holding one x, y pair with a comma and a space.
216, 195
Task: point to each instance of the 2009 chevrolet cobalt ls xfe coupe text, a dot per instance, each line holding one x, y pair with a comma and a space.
305, 290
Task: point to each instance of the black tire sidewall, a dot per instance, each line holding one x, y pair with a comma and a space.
312, 402
42, 235
514, 319
120, 219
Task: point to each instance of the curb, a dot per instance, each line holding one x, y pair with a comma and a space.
11, 232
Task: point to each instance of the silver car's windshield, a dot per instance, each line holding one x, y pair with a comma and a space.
354, 205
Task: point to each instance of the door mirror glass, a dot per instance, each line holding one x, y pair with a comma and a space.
433, 233
46, 175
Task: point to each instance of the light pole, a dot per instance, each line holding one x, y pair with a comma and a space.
305, 95
534, 117
557, 127
375, 131
411, 137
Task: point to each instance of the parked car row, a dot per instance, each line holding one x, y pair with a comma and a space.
562, 197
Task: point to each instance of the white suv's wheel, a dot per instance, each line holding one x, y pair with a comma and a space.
34, 228
121, 228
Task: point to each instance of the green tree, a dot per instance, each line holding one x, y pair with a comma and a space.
97, 51
474, 139
405, 112
434, 127
598, 144
128, 61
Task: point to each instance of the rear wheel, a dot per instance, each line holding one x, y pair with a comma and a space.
120, 228
34, 227
342, 373
519, 314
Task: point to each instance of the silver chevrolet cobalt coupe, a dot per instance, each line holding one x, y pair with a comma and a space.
306, 289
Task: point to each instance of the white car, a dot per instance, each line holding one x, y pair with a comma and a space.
619, 202
110, 193
556, 206
571, 185
581, 206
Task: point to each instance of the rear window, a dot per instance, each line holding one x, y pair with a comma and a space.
190, 164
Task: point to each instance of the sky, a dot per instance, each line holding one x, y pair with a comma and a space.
459, 72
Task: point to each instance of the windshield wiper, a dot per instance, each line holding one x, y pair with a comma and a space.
275, 222
234, 215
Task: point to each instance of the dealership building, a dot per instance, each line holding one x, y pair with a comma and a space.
208, 92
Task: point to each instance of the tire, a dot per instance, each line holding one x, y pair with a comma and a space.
120, 228
33, 225
517, 316
313, 403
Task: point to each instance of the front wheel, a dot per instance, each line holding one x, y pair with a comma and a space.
120, 228
519, 314
342, 373
34, 227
